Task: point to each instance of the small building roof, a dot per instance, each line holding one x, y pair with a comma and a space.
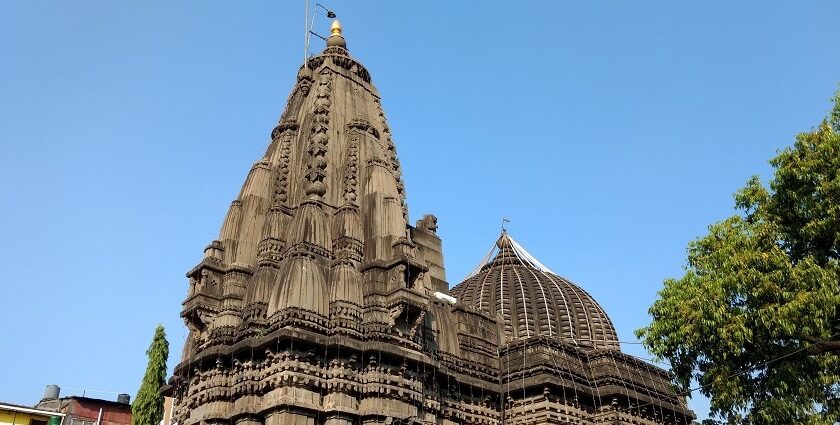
26, 409
97, 401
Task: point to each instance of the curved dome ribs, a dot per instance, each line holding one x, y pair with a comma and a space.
547, 310
523, 315
533, 301
566, 308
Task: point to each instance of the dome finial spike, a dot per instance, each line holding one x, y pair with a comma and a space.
336, 39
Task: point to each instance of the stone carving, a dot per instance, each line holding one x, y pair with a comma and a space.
206, 283
319, 139
304, 80
215, 251
428, 223
362, 126
285, 127
281, 173
393, 161
351, 173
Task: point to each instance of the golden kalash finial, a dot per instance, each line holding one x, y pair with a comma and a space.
336, 39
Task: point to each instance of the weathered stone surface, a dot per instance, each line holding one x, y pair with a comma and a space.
316, 304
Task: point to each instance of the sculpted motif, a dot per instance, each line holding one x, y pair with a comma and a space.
207, 281
319, 139
428, 223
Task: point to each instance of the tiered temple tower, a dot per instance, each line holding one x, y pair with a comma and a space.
320, 305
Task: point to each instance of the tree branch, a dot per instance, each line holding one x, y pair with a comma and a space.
821, 346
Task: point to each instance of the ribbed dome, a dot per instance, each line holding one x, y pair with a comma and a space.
534, 301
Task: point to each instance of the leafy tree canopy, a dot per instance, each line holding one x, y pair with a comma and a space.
147, 408
756, 317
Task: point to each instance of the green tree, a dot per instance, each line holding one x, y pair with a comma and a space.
147, 408
756, 317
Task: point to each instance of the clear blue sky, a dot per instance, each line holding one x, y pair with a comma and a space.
611, 133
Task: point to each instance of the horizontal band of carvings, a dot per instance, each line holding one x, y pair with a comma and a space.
341, 58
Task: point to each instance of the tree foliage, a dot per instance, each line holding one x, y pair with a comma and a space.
756, 317
147, 408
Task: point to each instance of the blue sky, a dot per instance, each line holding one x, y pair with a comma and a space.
611, 133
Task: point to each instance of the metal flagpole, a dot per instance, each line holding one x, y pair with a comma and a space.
306, 32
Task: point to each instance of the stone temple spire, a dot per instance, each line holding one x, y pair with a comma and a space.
325, 201
317, 239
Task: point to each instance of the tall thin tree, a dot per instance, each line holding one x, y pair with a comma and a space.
147, 408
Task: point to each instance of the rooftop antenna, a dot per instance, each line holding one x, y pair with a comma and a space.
309, 23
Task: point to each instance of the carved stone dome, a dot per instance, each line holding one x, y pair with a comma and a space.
533, 301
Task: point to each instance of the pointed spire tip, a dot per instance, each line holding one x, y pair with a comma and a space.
336, 39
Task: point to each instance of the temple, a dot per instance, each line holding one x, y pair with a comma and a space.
319, 304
